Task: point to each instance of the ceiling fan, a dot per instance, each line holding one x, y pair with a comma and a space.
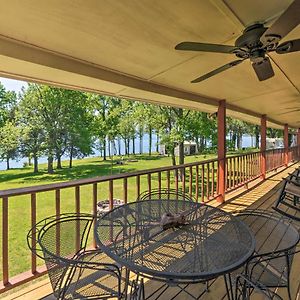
255, 43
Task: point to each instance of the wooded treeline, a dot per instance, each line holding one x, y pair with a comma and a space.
53, 122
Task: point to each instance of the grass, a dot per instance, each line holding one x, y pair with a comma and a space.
20, 206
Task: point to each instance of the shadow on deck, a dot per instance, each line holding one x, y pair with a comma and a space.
260, 195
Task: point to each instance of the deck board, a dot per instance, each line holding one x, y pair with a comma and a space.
258, 196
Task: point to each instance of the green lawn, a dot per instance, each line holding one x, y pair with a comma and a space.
19, 206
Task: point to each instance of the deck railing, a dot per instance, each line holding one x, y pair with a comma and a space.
31, 204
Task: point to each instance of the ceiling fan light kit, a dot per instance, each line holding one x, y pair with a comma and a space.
255, 43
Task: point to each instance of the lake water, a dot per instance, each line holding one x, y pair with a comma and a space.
246, 142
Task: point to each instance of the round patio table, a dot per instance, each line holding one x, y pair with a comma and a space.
211, 243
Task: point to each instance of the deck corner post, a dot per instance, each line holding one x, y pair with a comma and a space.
298, 143
263, 146
286, 144
221, 115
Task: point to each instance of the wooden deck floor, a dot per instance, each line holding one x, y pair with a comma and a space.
258, 196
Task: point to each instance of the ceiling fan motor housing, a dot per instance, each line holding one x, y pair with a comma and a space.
250, 39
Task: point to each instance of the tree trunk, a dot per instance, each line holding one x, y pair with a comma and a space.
157, 142
71, 158
29, 161
181, 159
119, 146
109, 148
234, 137
50, 164
35, 164
104, 149
7, 163
141, 141
133, 145
58, 164
128, 146
150, 141
173, 157
257, 136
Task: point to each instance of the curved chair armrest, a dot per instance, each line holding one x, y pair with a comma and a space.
245, 282
294, 175
288, 180
261, 259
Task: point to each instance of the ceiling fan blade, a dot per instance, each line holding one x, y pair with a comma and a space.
288, 46
263, 69
193, 46
284, 24
216, 71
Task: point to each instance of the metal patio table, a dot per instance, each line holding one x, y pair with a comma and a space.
211, 243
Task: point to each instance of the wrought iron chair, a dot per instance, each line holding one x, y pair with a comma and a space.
288, 203
270, 268
74, 271
245, 288
165, 194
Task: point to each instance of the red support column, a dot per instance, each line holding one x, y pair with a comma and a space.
221, 150
286, 144
298, 142
263, 143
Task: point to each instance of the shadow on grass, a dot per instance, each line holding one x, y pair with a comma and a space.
65, 174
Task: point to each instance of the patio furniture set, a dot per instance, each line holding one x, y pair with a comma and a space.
166, 236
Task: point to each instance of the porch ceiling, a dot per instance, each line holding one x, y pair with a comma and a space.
126, 48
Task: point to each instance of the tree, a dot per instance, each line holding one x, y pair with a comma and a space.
200, 127
9, 142
30, 121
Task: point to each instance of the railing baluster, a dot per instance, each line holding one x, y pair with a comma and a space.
168, 180
213, 179
77, 209
33, 222
176, 179
149, 183
95, 212
138, 186
125, 190
5, 275
57, 213
202, 182
182, 175
159, 180
111, 204
197, 183
207, 181
191, 181
230, 173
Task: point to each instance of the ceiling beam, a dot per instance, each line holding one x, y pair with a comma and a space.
32, 54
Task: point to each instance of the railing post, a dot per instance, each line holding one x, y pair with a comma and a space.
221, 150
286, 144
263, 144
298, 143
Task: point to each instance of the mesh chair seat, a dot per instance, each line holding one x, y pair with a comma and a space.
74, 271
91, 282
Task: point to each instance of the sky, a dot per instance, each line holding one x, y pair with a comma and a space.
12, 85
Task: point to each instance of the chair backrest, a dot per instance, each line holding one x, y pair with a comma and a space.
165, 194
59, 240
245, 288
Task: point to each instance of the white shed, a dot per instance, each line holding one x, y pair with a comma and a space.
190, 148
